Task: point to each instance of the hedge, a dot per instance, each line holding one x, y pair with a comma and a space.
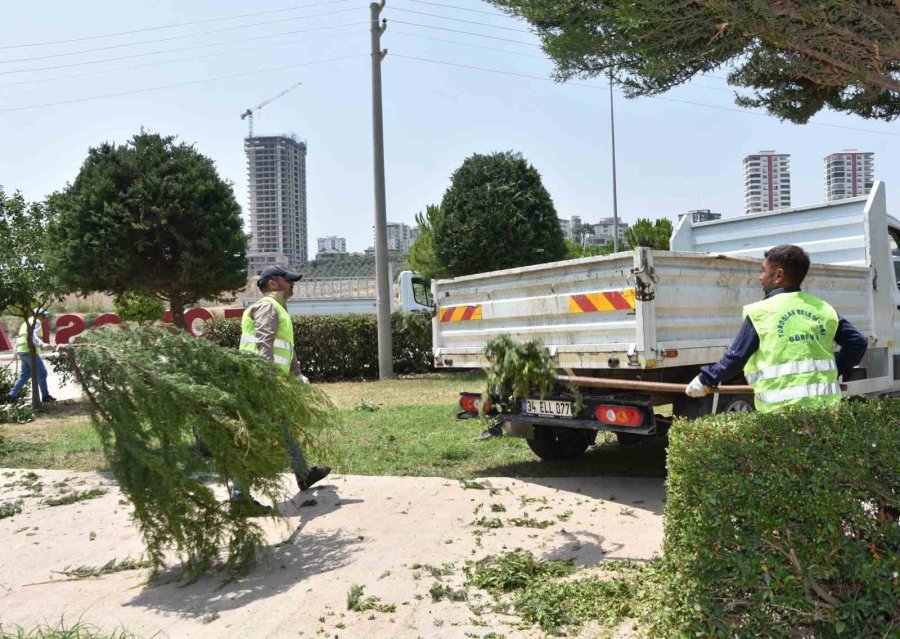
345, 347
784, 525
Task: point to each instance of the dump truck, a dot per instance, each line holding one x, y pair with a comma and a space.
629, 330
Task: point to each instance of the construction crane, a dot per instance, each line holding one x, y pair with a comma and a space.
249, 112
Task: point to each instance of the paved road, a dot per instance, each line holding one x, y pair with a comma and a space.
69, 391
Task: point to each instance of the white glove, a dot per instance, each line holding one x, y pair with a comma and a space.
303, 379
696, 388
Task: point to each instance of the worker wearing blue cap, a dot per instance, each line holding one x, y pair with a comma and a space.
267, 330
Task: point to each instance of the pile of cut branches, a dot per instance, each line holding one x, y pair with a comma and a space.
153, 391
518, 371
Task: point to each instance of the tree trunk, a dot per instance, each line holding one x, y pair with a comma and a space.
176, 306
32, 357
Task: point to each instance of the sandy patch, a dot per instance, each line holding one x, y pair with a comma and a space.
371, 531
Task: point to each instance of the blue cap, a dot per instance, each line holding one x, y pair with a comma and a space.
273, 270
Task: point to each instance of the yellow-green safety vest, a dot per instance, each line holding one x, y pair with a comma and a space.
22, 340
283, 348
794, 364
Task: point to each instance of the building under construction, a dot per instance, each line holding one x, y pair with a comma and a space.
276, 170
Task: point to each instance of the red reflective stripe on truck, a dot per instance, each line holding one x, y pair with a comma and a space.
461, 313
602, 301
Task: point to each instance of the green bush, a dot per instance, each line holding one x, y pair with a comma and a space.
342, 347
784, 524
132, 306
495, 215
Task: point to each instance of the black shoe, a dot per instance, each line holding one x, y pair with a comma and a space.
244, 507
315, 474
49, 398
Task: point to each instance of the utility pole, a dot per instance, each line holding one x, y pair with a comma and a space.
382, 276
612, 130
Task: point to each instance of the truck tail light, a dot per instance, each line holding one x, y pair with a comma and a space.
471, 403
619, 415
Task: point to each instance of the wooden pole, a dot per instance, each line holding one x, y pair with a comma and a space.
650, 387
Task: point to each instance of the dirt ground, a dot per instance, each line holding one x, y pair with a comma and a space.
378, 532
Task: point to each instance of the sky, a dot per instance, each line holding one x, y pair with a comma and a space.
464, 94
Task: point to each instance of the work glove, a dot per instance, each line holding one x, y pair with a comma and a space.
697, 388
303, 379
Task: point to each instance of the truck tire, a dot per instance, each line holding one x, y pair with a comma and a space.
557, 444
693, 408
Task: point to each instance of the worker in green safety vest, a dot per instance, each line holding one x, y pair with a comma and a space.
23, 355
267, 330
786, 344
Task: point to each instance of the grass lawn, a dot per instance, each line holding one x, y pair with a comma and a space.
398, 427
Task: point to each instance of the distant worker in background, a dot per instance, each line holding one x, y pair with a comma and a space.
22, 353
267, 330
785, 346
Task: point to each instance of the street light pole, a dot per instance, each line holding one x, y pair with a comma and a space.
612, 131
382, 275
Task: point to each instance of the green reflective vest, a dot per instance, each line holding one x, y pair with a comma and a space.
794, 364
283, 348
22, 340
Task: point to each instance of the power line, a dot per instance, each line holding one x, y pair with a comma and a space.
191, 48
176, 60
465, 44
652, 97
524, 55
179, 37
500, 15
483, 24
180, 84
480, 35
457, 7
170, 26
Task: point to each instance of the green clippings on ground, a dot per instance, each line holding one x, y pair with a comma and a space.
356, 603
556, 596
10, 508
109, 567
366, 405
488, 522
444, 570
209, 617
513, 571
530, 522
564, 516
553, 605
439, 591
75, 497
498, 508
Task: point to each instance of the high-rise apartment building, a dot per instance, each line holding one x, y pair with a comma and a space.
849, 173
400, 236
767, 182
332, 243
276, 169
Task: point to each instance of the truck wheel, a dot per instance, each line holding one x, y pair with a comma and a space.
557, 444
691, 408
736, 404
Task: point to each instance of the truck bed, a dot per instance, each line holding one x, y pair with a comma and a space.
630, 310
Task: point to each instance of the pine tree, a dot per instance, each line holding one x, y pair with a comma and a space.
152, 390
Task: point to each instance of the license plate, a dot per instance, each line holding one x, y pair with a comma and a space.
547, 408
